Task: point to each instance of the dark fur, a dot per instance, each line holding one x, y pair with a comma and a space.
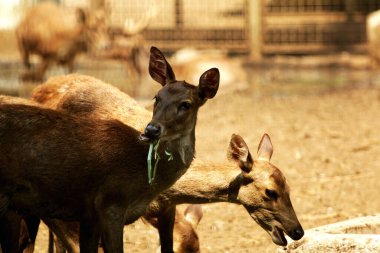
55, 165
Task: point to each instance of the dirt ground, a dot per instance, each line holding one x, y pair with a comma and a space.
327, 144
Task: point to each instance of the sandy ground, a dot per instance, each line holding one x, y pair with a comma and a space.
327, 144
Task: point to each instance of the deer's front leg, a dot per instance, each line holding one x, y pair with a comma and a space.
112, 222
89, 234
165, 225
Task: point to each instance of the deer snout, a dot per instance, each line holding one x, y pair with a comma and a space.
297, 233
152, 131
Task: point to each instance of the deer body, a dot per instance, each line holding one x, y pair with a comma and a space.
103, 168
56, 165
57, 34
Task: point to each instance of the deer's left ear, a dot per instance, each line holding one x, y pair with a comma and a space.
194, 214
209, 83
238, 151
265, 149
159, 69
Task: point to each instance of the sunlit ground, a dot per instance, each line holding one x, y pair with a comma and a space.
324, 125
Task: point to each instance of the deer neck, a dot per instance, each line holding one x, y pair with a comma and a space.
205, 184
175, 157
182, 149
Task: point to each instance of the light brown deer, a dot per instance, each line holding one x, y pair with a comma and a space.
56, 165
57, 34
256, 184
373, 38
266, 199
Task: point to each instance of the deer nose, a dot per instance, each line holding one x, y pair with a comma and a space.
152, 131
297, 233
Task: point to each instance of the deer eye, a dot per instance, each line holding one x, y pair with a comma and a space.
184, 106
271, 194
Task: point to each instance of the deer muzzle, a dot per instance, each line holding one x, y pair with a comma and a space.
151, 133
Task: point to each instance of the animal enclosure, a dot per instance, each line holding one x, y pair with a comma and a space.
312, 89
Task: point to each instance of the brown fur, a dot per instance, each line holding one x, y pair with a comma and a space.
28, 227
252, 177
57, 34
91, 170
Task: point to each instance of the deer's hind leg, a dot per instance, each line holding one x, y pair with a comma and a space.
10, 224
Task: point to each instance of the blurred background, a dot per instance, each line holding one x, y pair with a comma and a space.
304, 71
246, 34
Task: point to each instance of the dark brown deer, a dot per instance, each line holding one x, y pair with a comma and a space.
56, 165
64, 93
57, 34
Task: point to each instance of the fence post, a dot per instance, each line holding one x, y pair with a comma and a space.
255, 28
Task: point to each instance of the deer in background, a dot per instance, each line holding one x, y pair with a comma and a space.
94, 171
129, 46
256, 184
373, 37
57, 34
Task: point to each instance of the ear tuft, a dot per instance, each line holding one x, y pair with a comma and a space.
209, 83
159, 69
238, 151
265, 149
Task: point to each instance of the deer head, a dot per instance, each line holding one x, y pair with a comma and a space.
262, 189
177, 103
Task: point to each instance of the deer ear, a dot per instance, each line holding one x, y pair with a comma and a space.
265, 149
194, 214
238, 151
209, 83
159, 69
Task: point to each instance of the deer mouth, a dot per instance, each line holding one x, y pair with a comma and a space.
278, 236
145, 138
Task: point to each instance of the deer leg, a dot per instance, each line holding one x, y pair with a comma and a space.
89, 234
165, 225
51, 242
25, 58
32, 224
10, 224
69, 64
59, 246
40, 72
112, 226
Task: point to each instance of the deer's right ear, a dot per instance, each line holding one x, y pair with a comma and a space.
159, 69
265, 149
238, 151
194, 214
209, 83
